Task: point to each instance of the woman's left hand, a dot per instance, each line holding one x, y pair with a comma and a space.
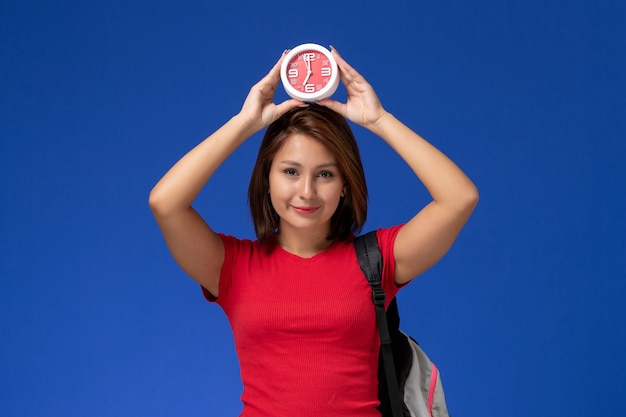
363, 106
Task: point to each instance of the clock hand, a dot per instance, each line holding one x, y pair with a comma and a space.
307, 61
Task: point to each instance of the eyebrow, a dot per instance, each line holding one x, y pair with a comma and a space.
299, 165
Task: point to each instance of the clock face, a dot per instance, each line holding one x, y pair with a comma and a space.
309, 73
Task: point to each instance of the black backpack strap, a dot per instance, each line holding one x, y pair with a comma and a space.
371, 263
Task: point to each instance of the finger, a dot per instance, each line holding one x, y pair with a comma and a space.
334, 105
341, 63
347, 71
274, 73
289, 104
273, 76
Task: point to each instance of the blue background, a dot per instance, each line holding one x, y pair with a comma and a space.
525, 314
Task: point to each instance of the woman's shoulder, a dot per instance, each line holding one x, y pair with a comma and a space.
388, 234
385, 236
243, 245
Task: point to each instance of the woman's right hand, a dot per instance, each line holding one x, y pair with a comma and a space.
259, 108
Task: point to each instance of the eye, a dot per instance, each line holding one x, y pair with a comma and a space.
290, 171
325, 174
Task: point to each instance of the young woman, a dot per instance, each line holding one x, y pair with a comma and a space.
300, 309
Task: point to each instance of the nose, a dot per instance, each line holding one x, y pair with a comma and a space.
307, 188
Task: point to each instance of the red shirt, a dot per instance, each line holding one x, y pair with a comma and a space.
304, 328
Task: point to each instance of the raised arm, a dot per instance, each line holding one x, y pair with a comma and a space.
432, 231
192, 242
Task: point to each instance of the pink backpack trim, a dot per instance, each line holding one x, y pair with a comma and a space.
431, 391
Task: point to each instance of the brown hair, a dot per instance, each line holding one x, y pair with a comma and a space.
331, 130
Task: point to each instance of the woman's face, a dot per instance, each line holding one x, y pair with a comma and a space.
305, 185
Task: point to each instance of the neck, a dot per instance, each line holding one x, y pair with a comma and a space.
303, 244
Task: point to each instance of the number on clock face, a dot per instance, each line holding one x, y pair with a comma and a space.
309, 71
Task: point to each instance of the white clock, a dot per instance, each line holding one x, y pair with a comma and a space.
309, 73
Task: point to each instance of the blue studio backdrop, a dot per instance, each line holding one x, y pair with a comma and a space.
524, 315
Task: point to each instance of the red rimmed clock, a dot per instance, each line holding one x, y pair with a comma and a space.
309, 73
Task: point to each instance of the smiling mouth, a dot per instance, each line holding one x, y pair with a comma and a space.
305, 210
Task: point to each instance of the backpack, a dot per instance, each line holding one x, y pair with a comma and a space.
409, 384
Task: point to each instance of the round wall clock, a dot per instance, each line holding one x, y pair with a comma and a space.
309, 73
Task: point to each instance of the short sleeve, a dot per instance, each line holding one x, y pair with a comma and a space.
386, 239
232, 247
